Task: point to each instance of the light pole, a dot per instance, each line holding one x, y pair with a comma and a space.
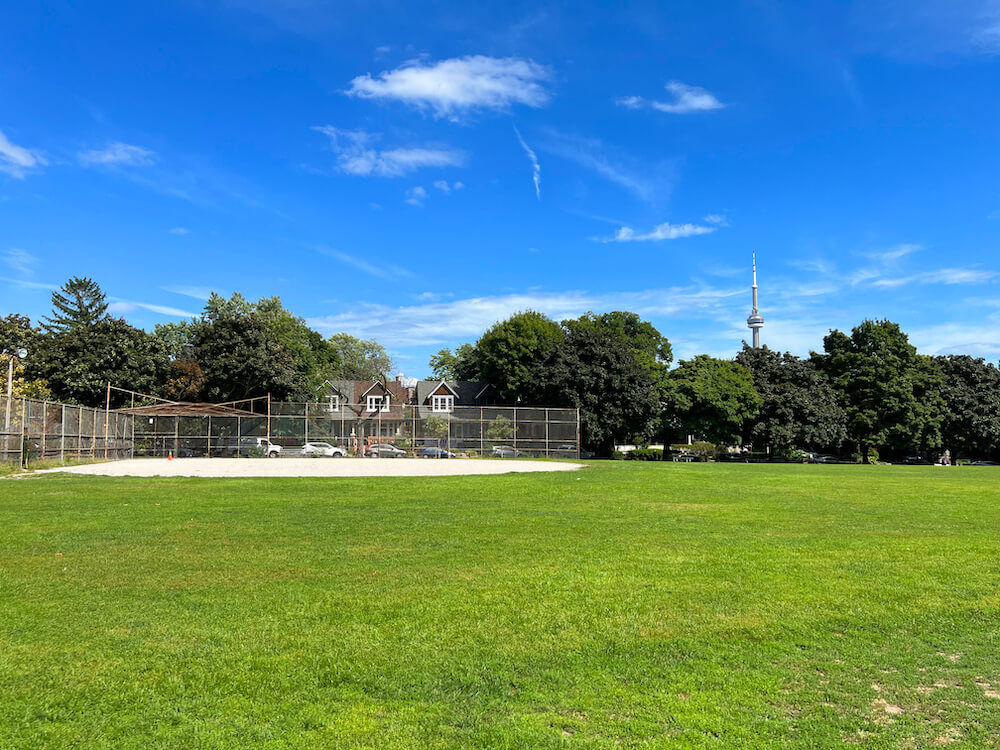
20, 354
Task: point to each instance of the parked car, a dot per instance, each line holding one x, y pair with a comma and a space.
822, 458
384, 450
506, 451
247, 444
435, 453
323, 449
917, 461
983, 463
571, 448
684, 457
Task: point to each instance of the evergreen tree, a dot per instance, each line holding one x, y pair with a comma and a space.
79, 303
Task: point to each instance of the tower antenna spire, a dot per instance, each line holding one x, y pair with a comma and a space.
756, 321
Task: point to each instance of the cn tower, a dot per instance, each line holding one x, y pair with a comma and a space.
756, 321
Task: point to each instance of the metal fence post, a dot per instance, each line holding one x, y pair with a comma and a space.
62, 434
24, 426
546, 432
515, 433
107, 414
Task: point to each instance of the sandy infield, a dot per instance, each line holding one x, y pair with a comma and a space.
312, 467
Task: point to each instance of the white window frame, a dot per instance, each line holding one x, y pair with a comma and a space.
443, 403
378, 403
334, 403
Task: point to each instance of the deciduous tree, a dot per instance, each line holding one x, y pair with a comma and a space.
711, 399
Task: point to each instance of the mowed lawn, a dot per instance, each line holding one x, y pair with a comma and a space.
627, 605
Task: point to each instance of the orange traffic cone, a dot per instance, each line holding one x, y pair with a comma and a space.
170, 455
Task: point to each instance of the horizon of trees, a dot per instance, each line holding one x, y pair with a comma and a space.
868, 389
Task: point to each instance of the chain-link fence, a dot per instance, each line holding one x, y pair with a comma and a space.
296, 429
33, 431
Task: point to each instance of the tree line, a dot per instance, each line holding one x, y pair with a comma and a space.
235, 349
868, 391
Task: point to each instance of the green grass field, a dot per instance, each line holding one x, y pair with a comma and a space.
628, 605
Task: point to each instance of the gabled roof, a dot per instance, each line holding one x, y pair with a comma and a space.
442, 383
466, 392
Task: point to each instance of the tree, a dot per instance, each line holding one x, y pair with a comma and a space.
500, 430
21, 387
78, 303
436, 427
78, 362
596, 371
511, 353
799, 406
711, 399
640, 334
176, 337
890, 394
360, 359
16, 332
457, 365
185, 381
970, 388
316, 359
240, 358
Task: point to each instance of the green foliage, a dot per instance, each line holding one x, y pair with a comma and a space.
185, 380
511, 353
970, 388
436, 427
711, 398
644, 454
79, 361
176, 338
457, 365
79, 303
500, 430
890, 394
21, 386
359, 359
617, 455
799, 405
599, 373
256, 451
16, 332
639, 333
703, 450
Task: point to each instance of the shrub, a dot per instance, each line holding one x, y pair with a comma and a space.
617, 456
703, 450
794, 454
645, 454
256, 452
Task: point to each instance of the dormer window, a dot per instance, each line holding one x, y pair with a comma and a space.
378, 403
442, 403
334, 403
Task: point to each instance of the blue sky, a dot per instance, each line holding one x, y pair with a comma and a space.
416, 173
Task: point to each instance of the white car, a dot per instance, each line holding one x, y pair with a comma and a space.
323, 449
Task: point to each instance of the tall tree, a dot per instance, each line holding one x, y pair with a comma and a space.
711, 399
970, 387
890, 394
598, 372
16, 332
80, 361
79, 303
510, 354
457, 365
639, 333
360, 359
799, 406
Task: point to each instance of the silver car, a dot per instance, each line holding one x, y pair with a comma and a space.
384, 450
323, 449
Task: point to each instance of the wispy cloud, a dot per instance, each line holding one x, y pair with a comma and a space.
536, 169
124, 306
450, 88
940, 276
416, 196
649, 182
117, 154
195, 292
25, 284
445, 188
21, 261
687, 99
18, 161
441, 322
356, 154
375, 267
718, 219
895, 252
664, 231
179, 230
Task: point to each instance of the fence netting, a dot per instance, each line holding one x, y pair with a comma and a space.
414, 430
33, 431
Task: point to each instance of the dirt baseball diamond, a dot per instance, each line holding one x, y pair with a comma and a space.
313, 467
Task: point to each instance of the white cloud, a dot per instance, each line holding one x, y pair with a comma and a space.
445, 188
24, 284
195, 292
687, 99
20, 261
718, 219
374, 267
940, 276
895, 252
649, 182
16, 160
118, 154
452, 87
357, 156
441, 322
536, 169
179, 230
664, 231
123, 307
415, 196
